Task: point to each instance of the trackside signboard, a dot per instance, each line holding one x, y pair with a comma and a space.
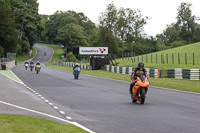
93, 50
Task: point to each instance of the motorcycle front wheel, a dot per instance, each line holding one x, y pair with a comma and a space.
142, 95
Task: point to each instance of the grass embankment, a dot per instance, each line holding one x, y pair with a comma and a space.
183, 84
188, 49
10, 74
24, 124
25, 57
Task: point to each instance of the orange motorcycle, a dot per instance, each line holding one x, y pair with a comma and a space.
140, 89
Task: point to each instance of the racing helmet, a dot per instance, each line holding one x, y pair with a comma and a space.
140, 65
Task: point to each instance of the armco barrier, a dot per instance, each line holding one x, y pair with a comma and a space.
192, 74
186, 73
128, 70
171, 73
71, 64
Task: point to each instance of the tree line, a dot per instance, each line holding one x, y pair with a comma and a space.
20, 26
120, 29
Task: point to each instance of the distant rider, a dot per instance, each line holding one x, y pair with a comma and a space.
140, 69
31, 63
26, 64
76, 65
37, 64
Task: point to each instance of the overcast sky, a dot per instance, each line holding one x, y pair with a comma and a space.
161, 12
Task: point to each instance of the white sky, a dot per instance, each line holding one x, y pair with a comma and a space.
161, 12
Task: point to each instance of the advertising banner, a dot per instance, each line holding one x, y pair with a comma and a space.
93, 50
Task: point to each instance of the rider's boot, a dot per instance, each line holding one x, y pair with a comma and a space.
130, 89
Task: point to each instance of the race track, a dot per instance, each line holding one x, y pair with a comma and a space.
104, 105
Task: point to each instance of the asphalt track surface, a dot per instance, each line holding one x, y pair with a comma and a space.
104, 105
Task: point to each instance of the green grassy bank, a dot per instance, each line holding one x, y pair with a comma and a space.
24, 124
26, 56
179, 57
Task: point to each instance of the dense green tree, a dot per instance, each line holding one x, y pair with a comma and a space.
25, 14
8, 32
108, 18
63, 23
186, 22
1, 51
184, 31
72, 35
130, 24
125, 25
107, 39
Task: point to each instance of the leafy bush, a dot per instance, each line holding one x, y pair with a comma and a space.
177, 43
71, 57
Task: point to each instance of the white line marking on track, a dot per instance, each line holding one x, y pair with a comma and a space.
55, 107
62, 112
46, 101
68, 117
50, 104
42, 98
48, 115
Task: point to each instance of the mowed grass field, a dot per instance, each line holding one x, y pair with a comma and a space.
183, 84
179, 57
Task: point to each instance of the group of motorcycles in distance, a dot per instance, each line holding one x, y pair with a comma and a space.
31, 66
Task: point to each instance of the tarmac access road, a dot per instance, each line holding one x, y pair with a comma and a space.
104, 105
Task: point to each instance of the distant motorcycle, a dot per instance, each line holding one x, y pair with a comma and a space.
31, 67
26, 66
37, 68
76, 72
140, 89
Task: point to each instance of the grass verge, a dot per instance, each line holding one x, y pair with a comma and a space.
183, 84
10, 74
25, 57
24, 124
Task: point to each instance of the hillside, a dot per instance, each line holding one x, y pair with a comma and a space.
179, 57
